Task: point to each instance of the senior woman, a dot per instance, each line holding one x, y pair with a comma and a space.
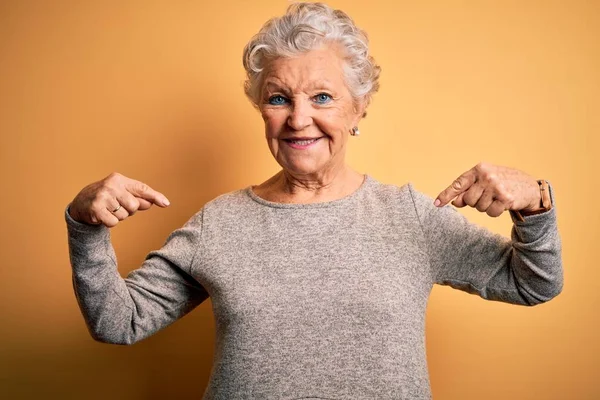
319, 277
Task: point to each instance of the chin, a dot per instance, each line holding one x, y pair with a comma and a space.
302, 169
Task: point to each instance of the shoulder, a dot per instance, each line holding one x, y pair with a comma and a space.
405, 199
236, 198
226, 207
223, 204
386, 192
397, 200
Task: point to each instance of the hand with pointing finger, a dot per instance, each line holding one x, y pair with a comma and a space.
113, 199
493, 189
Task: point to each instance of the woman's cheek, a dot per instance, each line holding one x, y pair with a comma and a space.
273, 122
273, 128
332, 125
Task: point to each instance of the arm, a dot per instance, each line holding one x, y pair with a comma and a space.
526, 269
124, 311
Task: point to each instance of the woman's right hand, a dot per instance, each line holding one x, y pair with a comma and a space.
113, 199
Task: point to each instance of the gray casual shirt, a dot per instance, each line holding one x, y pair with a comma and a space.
323, 300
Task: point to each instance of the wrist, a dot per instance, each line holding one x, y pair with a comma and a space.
542, 205
532, 211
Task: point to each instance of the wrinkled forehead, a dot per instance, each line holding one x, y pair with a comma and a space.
313, 70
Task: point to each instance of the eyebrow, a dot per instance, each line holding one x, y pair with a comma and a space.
275, 87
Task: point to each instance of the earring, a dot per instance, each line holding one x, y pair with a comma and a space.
354, 131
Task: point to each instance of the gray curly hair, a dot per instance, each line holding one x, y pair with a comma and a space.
304, 27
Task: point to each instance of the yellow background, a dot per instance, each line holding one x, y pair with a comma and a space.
153, 90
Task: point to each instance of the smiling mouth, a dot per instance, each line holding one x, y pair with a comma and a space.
302, 142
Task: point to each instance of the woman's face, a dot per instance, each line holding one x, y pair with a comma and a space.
308, 112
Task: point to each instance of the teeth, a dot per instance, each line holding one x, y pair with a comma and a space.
303, 142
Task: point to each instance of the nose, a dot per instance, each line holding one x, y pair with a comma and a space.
300, 115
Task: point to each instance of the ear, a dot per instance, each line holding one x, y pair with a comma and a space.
360, 107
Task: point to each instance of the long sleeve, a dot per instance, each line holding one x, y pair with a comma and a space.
525, 269
125, 310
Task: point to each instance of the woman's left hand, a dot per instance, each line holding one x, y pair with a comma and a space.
493, 189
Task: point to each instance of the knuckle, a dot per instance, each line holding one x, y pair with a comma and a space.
133, 206
457, 184
97, 205
102, 190
483, 165
109, 192
470, 201
102, 198
487, 175
504, 196
142, 187
113, 177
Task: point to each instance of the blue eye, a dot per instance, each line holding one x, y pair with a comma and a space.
277, 100
323, 98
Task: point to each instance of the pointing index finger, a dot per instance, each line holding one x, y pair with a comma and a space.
143, 191
460, 185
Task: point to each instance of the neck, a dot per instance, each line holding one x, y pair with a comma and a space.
286, 187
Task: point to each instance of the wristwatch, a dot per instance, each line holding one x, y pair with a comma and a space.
545, 202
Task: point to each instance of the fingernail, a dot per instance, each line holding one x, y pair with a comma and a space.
166, 202
437, 202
